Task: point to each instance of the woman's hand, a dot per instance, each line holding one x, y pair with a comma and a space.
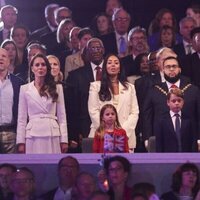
64, 147
21, 148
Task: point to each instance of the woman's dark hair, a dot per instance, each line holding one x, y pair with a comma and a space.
104, 93
49, 87
85, 31
124, 161
138, 60
94, 26
7, 42
163, 29
177, 177
20, 26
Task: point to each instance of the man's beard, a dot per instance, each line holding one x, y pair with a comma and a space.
172, 79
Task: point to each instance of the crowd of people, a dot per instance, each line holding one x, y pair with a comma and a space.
63, 83
110, 183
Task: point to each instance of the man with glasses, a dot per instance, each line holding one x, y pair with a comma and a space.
68, 169
155, 103
23, 184
137, 39
117, 41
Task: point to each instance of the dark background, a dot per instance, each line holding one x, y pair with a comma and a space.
31, 12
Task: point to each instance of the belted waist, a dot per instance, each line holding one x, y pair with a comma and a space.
7, 127
43, 116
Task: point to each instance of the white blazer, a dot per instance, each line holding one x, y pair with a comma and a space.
39, 116
127, 109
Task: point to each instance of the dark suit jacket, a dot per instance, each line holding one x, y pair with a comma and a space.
1, 36
78, 83
142, 86
169, 196
166, 140
155, 106
179, 50
110, 43
37, 34
49, 195
16, 83
129, 66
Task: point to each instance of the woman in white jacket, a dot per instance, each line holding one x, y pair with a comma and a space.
41, 126
114, 89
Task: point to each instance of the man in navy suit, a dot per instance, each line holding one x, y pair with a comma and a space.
77, 92
68, 169
9, 89
112, 41
50, 20
174, 133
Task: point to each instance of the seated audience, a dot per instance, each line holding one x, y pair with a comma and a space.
23, 184
6, 171
118, 169
185, 183
68, 169
84, 187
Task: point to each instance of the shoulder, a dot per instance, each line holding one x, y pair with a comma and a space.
169, 195
16, 79
95, 84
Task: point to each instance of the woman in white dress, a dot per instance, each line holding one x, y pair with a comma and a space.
41, 126
114, 89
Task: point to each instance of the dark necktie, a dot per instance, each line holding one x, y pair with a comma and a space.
98, 73
177, 130
122, 45
189, 49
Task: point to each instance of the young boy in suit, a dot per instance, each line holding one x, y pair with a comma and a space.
174, 132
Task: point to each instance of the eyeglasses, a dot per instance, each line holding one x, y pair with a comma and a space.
168, 67
137, 38
23, 181
121, 19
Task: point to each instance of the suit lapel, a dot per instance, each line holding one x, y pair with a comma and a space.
121, 96
34, 94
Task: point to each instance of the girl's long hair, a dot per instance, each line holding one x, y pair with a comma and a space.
101, 128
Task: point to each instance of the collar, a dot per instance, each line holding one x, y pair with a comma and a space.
170, 84
119, 36
94, 65
185, 44
65, 192
172, 114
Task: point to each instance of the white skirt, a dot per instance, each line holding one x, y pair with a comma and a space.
43, 145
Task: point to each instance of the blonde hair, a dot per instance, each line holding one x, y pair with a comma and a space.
60, 75
101, 129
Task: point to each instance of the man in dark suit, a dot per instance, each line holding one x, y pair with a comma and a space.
49, 39
155, 103
68, 169
192, 62
174, 133
50, 20
78, 83
185, 47
138, 44
10, 86
8, 15
117, 41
